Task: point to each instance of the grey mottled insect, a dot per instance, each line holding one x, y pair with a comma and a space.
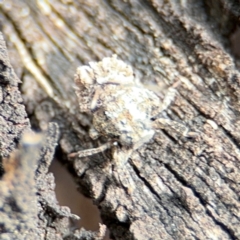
122, 108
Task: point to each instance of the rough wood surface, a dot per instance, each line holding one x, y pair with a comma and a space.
173, 187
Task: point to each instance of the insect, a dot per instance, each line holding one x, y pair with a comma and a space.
123, 110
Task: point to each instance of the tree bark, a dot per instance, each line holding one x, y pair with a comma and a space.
172, 187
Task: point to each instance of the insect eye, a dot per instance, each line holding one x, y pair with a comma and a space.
153, 118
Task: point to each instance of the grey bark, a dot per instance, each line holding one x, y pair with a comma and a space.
171, 188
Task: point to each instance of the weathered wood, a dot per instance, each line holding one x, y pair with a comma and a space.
28, 206
172, 187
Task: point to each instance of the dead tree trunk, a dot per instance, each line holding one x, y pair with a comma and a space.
172, 187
